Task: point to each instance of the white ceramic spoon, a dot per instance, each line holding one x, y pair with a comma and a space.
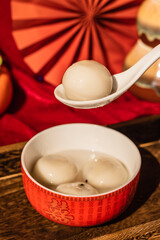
121, 83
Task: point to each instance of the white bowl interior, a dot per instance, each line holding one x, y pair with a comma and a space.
82, 136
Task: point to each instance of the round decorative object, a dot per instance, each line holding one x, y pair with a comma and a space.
148, 27
51, 34
148, 22
6, 88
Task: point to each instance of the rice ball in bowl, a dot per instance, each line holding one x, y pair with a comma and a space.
52, 170
85, 210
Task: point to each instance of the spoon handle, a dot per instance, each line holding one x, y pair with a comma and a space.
130, 76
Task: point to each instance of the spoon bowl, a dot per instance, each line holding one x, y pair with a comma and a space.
121, 83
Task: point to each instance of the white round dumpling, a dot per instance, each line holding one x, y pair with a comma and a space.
77, 189
105, 174
54, 170
87, 80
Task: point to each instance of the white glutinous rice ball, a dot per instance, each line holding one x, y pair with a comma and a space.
77, 189
54, 170
87, 80
105, 174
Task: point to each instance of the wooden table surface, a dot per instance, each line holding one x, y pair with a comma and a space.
19, 221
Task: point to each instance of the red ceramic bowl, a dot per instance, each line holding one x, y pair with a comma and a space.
86, 210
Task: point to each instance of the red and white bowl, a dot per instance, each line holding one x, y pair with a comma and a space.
75, 210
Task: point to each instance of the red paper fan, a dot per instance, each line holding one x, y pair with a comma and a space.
52, 34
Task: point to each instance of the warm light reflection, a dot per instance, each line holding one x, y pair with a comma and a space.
158, 74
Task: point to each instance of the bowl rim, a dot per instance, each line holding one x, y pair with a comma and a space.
36, 183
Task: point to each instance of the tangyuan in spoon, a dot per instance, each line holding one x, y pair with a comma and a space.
88, 84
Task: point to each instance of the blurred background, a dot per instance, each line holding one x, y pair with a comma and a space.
40, 39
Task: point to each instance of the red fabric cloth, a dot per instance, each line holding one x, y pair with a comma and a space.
34, 107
